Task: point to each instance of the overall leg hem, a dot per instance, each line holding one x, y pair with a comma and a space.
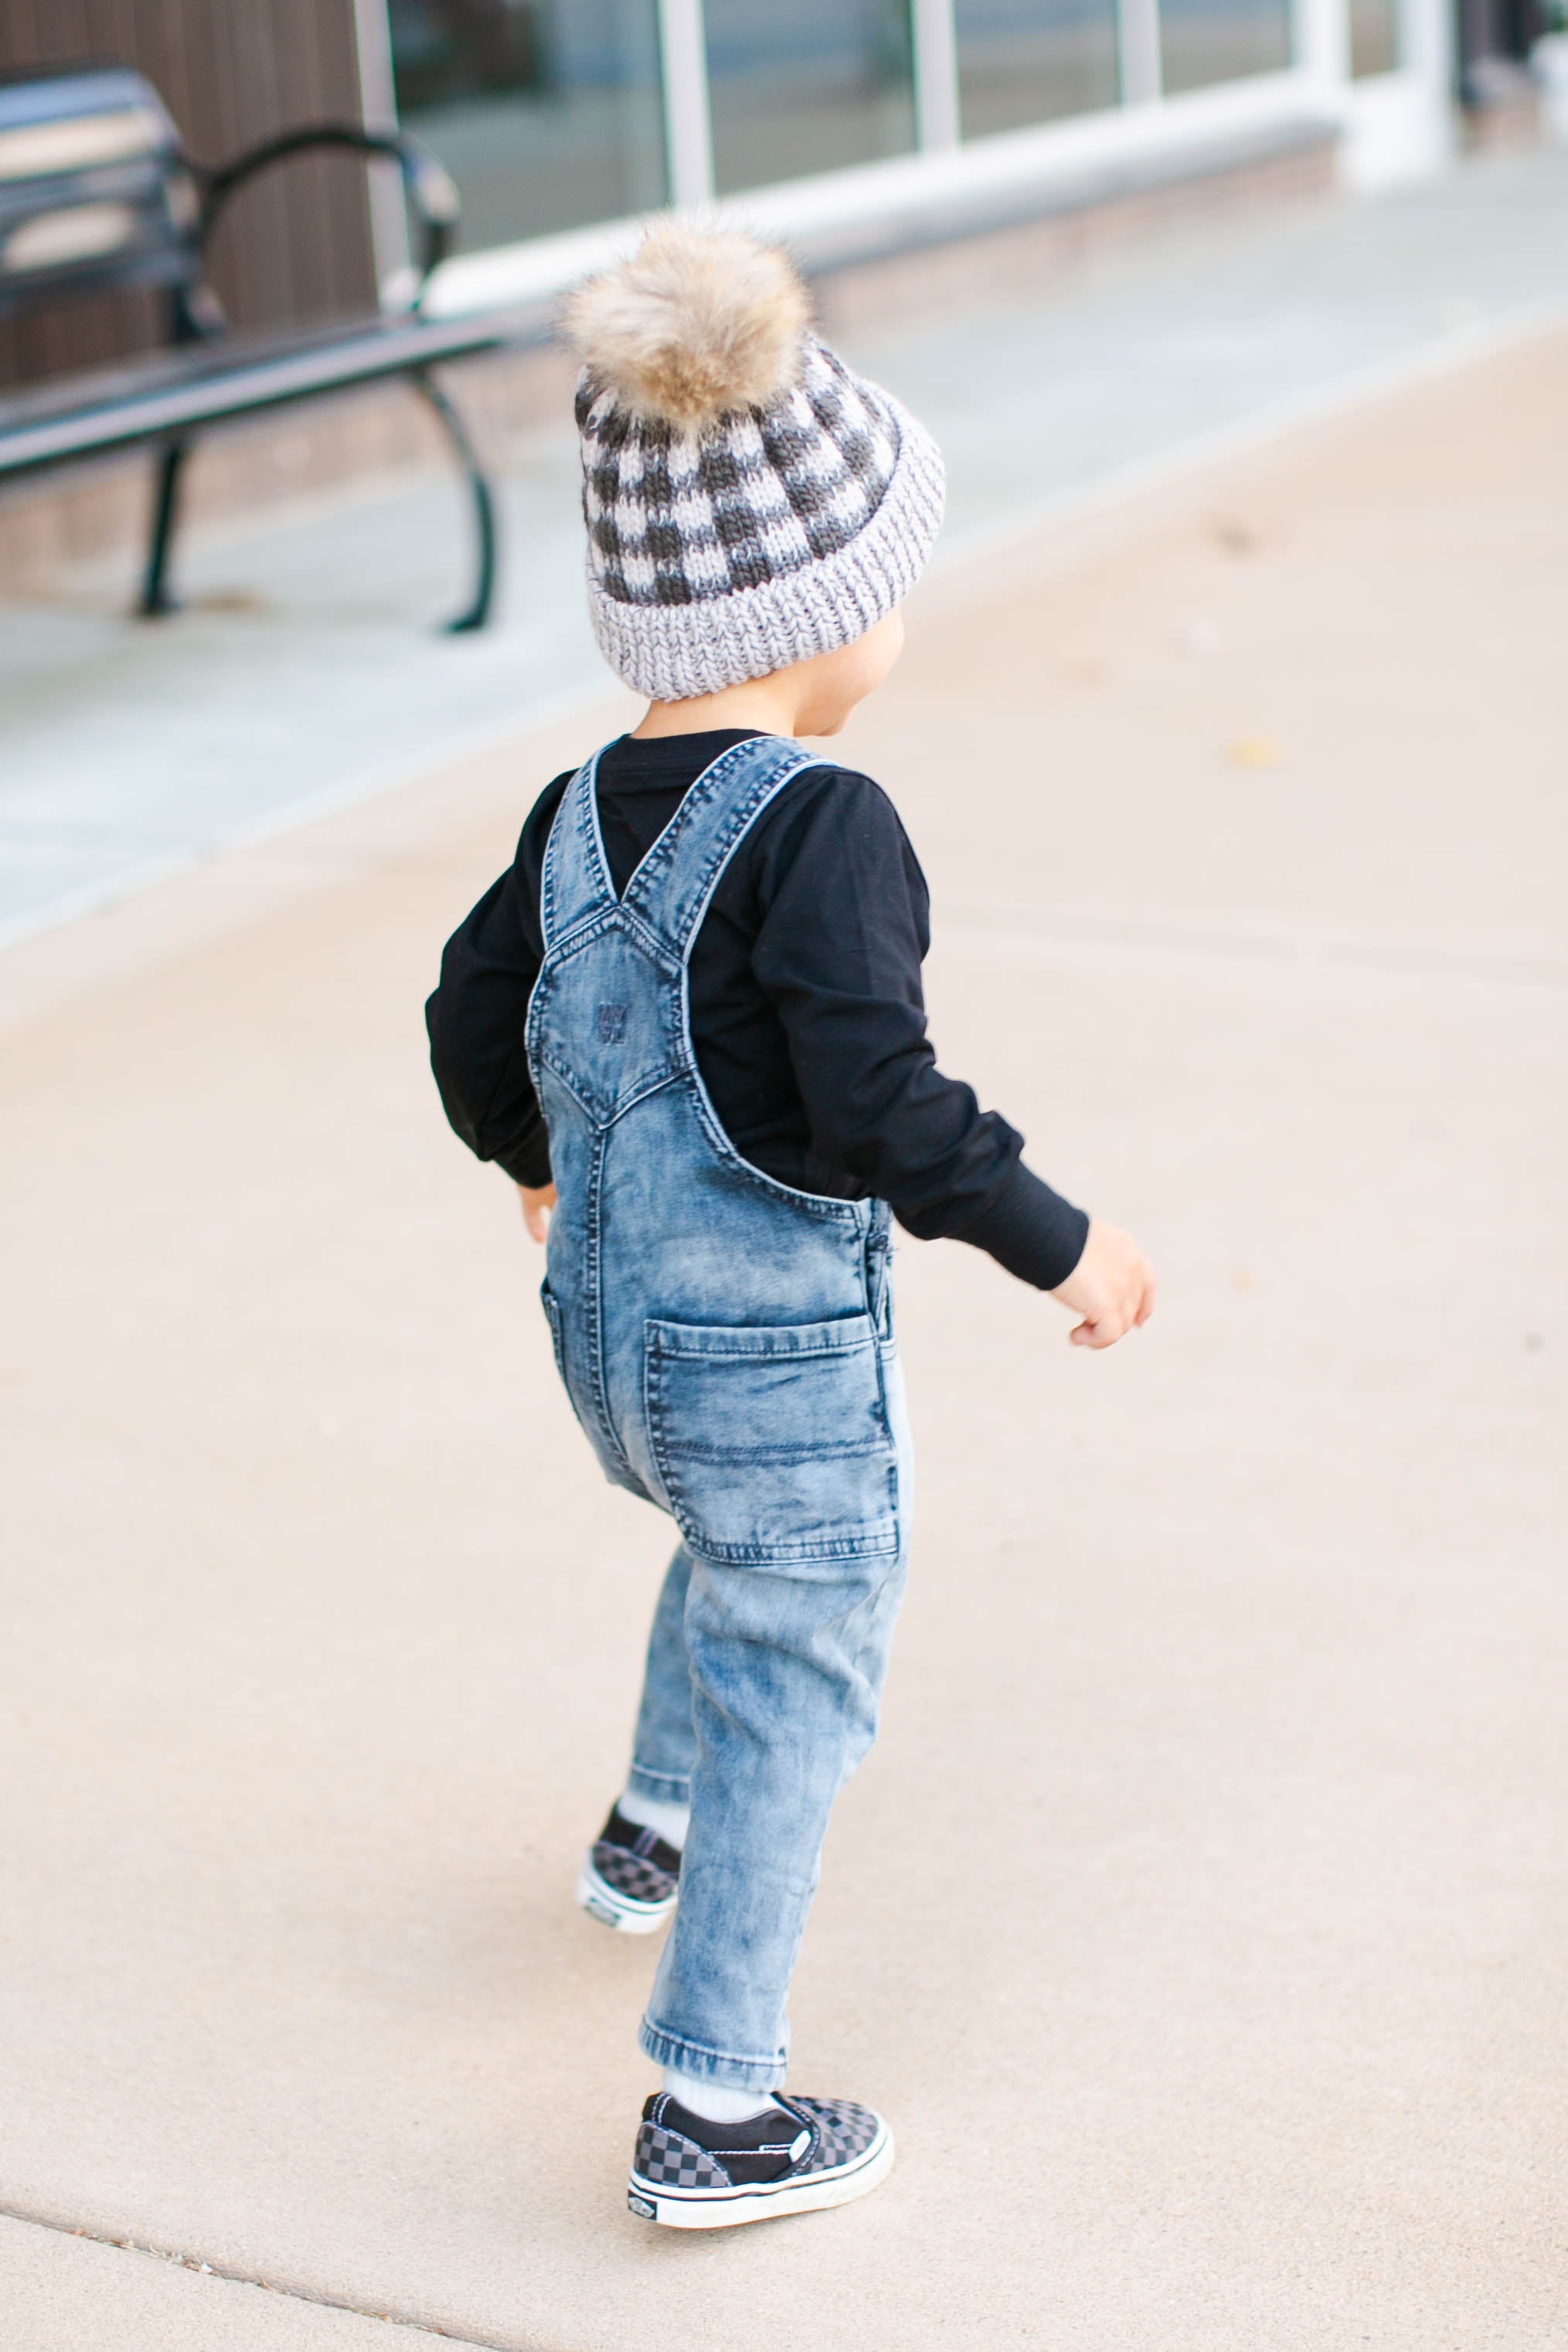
720, 2067
664, 1788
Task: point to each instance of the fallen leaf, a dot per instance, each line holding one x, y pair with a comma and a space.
227, 600
1236, 535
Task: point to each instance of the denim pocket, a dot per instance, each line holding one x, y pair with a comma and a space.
772, 1440
552, 1306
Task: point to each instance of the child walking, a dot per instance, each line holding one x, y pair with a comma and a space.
688, 1024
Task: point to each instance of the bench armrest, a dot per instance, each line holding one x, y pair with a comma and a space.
426, 182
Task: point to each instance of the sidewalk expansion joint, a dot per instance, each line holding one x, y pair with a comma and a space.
415, 2324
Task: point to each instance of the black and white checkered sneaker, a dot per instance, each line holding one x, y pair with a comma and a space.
631, 1878
797, 2156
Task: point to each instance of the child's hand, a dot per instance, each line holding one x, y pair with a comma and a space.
537, 1204
1111, 1286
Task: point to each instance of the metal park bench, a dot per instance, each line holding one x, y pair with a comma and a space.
97, 195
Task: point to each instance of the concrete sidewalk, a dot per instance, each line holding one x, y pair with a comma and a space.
1200, 1918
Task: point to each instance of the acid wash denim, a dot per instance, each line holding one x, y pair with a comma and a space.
728, 1345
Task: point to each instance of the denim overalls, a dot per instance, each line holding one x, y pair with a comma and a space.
727, 1345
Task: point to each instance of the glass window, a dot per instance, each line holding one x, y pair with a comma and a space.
1204, 41
1023, 61
806, 87
1373, 37
547, 113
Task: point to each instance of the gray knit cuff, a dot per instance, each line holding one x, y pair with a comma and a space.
672, 652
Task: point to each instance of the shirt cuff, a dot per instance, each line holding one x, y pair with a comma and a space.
530, 1166
1029, 1230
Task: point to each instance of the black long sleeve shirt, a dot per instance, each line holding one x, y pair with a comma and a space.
806, 1013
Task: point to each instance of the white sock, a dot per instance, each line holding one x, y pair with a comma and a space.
714, 2102
665, 1819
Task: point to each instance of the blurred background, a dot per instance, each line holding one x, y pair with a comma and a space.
1199, 1916
1146, 209
1163, 219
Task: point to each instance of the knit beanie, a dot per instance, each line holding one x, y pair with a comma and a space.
751, 501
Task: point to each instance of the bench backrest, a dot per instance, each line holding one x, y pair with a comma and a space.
95, 192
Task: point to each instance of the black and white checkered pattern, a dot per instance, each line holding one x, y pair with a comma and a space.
796, 2140
770, 535
673, 519
668, 2160
842, 2131
632, 1873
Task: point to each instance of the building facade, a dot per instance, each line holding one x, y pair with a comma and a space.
232, 72
845, 125
858, 129
840, 122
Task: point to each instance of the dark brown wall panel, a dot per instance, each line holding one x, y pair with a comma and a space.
297, 243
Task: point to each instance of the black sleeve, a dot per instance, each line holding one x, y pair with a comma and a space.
839, 951
477, 1016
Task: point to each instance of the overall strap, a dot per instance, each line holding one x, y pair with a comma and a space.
575, 884
671, 888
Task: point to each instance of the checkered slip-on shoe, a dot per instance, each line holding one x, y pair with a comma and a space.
796, 2156
631, 1878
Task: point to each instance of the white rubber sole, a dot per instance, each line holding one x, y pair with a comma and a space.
726, 2209
622, 1912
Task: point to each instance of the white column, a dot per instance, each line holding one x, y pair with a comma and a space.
1323, 42
378, 111
689, 132
1426, 47
1138, 50
935, 75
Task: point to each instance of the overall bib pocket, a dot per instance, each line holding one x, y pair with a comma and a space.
772, 1440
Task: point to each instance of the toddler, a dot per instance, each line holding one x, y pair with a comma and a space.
688, 1024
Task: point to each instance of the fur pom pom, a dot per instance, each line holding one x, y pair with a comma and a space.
699, 323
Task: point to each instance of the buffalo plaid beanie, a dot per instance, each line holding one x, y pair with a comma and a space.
749, 499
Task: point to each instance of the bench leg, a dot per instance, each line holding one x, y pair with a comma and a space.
156, 599
477, 612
